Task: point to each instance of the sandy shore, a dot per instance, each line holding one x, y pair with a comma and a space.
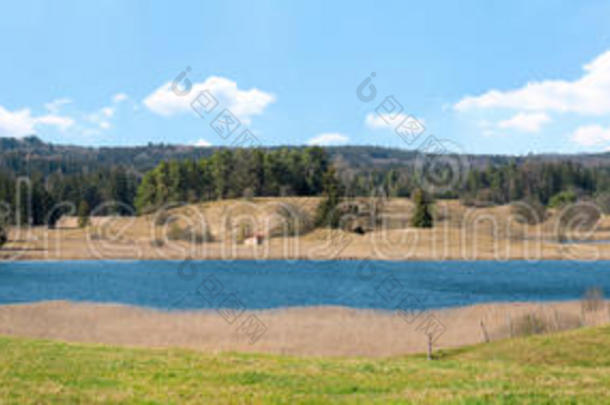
334, 331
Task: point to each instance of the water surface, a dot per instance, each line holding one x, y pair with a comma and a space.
255, 285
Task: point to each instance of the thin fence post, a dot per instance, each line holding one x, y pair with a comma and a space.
485, 334
429, 345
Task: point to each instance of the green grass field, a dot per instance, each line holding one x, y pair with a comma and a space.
572, 367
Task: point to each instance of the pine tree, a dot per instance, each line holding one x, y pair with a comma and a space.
222, 172
146, 199
316, 163
327, 214
83, 214
119, 191
422, 217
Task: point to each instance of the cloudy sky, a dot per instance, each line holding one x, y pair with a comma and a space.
492, 77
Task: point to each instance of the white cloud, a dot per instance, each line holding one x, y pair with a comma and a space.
591, 135
101, 117
58, 121
588, 95
55, 105
107, 111
95, 123
202, 143
525, 122
391, 121
21, 122
117, 98
18, 123
386, 121
378, 121
243, 103
329, 138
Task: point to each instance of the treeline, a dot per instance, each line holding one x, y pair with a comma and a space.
301, 171
234, 173
394, 182
534, 181
40, 200
31, 155
491, 184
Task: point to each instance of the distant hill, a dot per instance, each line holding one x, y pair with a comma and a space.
31, 154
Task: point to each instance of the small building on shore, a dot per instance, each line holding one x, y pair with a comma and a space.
254, 240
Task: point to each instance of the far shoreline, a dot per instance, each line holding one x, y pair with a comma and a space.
297, 260
461, 234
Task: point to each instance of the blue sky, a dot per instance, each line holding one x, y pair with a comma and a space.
492, 77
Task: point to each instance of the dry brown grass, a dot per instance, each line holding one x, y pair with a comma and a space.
460, 233
332, 331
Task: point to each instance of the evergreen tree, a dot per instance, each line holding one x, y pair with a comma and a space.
206, 180
146, 200
562, 198
162, 181
119, 191
222, 172
233, 173
83, 214
177, 182
327, 213
422, 218
316, 164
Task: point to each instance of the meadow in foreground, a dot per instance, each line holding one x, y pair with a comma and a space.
570, 367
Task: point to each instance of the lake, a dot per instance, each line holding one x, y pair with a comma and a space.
172, 285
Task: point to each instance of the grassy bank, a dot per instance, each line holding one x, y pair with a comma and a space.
564, 368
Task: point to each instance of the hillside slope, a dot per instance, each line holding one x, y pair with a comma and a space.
565, 368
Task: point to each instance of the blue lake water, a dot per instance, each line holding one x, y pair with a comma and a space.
271, 284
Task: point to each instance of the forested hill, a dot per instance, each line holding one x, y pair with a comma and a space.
31, 155
148, 177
